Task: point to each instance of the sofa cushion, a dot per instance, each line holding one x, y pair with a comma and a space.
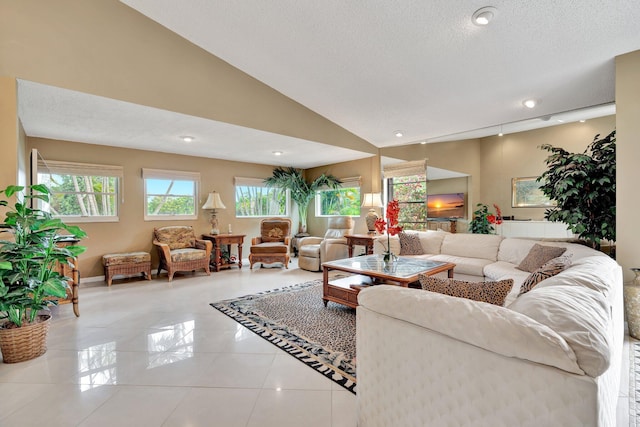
431, 240
549, 269
483, 246
487, 326
538, 256
595, 272
470, 266
514, 250
491, 292
579, 315
410, 244
269, 248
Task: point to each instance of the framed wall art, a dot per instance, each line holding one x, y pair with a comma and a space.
526, 193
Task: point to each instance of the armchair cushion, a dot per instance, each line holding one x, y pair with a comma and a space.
177, 237
274, 230
187, 254
269, 248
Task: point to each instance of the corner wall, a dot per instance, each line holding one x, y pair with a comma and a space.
627, 156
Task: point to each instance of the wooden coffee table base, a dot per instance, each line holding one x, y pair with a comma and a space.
345, 290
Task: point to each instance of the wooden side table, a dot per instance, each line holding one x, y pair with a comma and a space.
365, 240
224, 239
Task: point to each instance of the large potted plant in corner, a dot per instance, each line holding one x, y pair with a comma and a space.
302, 192
584, 187
29, 280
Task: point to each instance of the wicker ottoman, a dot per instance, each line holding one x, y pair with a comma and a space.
126, 264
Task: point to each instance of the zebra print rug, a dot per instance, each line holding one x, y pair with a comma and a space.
295, 319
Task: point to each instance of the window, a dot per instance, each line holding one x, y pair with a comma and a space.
81, 192
170, 195
342, 201
255, 199
407, 183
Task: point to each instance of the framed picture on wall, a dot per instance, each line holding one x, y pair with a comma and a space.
526, 193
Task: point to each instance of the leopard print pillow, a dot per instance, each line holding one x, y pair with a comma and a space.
549, 269
491, 292
410, 244
538, 256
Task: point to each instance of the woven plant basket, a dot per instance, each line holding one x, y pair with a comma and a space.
25, 343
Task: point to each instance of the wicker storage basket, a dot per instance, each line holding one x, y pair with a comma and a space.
25, 343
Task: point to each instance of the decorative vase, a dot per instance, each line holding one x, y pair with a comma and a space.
370, 219
389, 260
24, 343
632, 304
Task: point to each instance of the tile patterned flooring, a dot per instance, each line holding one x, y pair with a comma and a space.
156, 354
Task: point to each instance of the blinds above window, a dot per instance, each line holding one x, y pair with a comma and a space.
78, 169
415, 167
170, 174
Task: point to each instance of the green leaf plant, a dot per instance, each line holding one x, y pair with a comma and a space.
302, 192
28, 274
480, 223
584, 187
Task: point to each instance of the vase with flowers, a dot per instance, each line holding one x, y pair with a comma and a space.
483, 221
391, 226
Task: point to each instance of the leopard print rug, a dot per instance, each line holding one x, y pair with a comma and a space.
634, 385
295, 319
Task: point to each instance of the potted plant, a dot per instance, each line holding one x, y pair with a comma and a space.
483, 220
584, 187
302, 192
29, 280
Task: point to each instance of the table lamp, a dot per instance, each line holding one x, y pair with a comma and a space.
372, 201
214, 202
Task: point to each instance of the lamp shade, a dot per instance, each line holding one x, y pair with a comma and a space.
372, 200
214, 202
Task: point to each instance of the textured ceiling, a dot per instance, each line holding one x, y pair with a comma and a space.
373, 68
418, 66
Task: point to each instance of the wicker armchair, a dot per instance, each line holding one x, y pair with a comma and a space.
179, 250
273, 244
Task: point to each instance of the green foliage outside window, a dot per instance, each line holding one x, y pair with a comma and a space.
260, 201
411, 193
87, 196
343, 201
170, 197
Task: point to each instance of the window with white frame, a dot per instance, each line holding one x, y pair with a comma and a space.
255, 199
407, 182
81, 192
170, 195
341, 201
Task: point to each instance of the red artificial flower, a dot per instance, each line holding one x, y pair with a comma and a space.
491, 219
498, 214
391, 223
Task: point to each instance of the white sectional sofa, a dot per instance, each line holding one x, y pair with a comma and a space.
550, 357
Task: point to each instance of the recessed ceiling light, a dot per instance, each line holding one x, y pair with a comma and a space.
560, 121
423, 142
484, 15
277, 153
187, 138
529, 103
582, 121
398, 133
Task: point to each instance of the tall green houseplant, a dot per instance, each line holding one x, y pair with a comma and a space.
584, 187
28, 277
302, 192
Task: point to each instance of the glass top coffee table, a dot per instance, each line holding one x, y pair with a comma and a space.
371, 270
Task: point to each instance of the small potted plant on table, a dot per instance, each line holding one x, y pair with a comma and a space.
29, 280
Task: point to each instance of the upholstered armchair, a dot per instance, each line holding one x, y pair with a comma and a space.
179, 250
313, 251
273, 243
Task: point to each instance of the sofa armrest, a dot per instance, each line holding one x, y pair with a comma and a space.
493, 328
207, 245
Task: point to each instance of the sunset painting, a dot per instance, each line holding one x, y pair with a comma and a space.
445, 205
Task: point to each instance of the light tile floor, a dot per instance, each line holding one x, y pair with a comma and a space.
156, 354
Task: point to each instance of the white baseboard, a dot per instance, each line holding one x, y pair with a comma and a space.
92, 279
